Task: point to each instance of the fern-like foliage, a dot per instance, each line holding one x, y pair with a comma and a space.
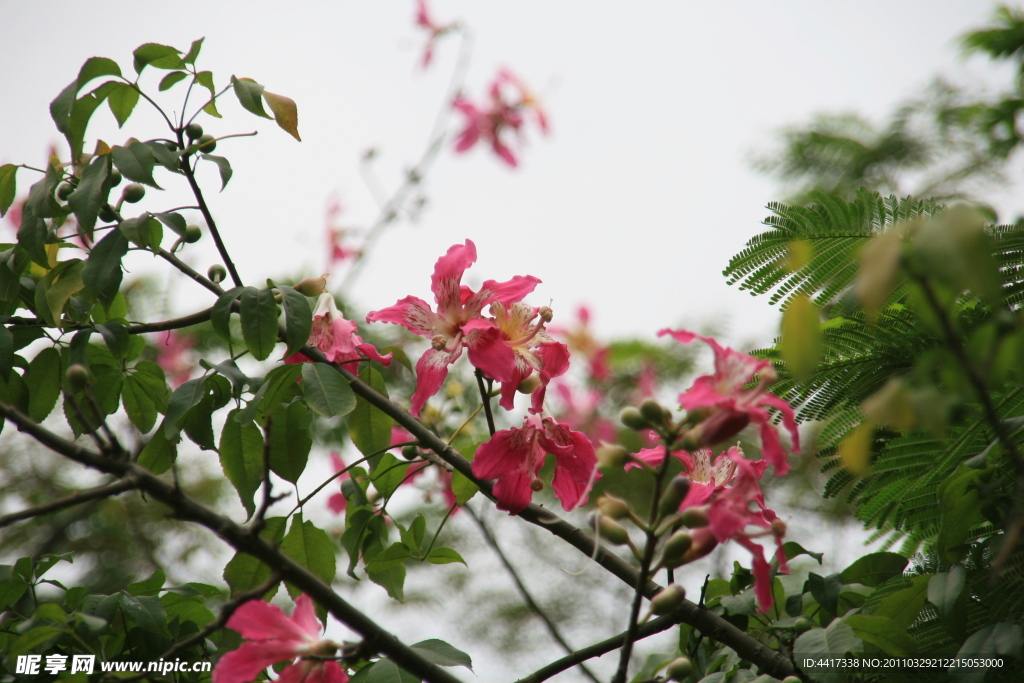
834, 228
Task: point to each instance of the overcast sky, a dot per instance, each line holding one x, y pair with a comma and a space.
633, 203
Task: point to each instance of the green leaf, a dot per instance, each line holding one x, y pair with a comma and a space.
875, 568
102, 271
392, 556
241, 457
290, 441
398, 355
384, 671
794, 549
285, 113
389, 473
142, 393
6, 352
160, 452
61, 286
32, 237
41, 202
184, 398
392, 580
462, 486
370, 427
143, 231
116, 337
883, 632
205, 79
157, 56
145, 610
902, 607
249, 94
149, 586
172, 79
223, 167
960, 503
122, 99
258, 312
298, 318
220, 316
11, 592
8, 187
90, 194
946, 588
835, 641
193, 51
444, 556
244, 572
443, 654
95, 67
33, 638
164, 156
43, 378
174, 221
326, 390
135, 162
279, 388
311, 548
955, 248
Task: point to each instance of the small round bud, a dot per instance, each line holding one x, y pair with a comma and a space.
668, 599
64, 191
675, 548
410, 452
611, 456
632, 418
529, 385
312, 286
133, 192
193, 131
537, 485
77, 376
115, 178
652, 411
778, 528
803, 624
613, 507
695, 517
107, 214
207, 143
193, 233
608, 529
673, 495
217, 273
679, 668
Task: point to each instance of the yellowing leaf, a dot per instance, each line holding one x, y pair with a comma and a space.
801, 337
879, 266
799, 255
285, 113
855, 450
891, 405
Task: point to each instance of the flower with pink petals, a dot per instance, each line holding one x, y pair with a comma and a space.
732, 405
436, 30
458, 318
337, 502
172, 356
515, 456
336, 337
272, 637
581, 411
706, 479
501, 113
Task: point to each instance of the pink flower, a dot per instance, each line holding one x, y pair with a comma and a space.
500, 114
706, 479
426, 22
457, 318
515, 347
582, 413
338, 502
336, 233
336, 336
273, 637
515, 456
172, 356
734, 406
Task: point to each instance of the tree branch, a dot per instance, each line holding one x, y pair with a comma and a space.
77, 498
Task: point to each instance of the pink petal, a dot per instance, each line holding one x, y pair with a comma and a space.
412, 313
447, 276
506, 292
507, 451
337, 503
258, 620
252, 657
431, 370
328, 672
575, 473
371, 352
489, 351
305, 616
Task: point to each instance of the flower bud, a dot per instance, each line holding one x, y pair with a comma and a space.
193, 233
668, 599
778, 528
652, 411
77, 376
703, 543
410, 452
673, 495
675, 548
312, 286
679, 668
537, 485
632, 418
529, 385
217, 273
608, 529
695, 517
722, 425
611, 456
613, 507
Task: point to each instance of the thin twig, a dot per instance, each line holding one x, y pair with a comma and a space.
77, 498
188, 270
258, 522
523, 591
485, 396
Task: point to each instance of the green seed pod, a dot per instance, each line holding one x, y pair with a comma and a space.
608, 529
115, 178
64, 191
673, 495
529, 385
679, 668
133, 193
107, 214
611, 456
803, 624
193, 131
675, 548
193, 233
652, 411
410, 452
632, 418
77, 376
613, 507
668, 599
695, 517
217, 273
207, 143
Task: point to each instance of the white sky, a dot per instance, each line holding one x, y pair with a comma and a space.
633, 204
